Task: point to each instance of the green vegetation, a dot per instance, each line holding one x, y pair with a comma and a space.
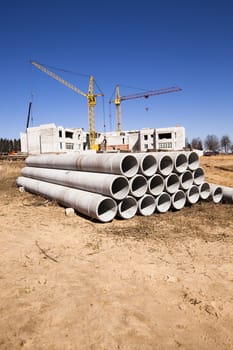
9, 146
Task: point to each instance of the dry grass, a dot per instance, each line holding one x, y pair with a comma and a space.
204, 220
9, 171
218, 169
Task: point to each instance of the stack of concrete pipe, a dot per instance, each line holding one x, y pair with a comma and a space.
105, 185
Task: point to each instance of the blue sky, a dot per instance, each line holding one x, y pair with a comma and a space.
149, 44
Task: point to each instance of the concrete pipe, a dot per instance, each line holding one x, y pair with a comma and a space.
115, 186
163, 202
155, 185
198, 176
192, 194
178, 200
204, 190
165, 163
137, 186
172, 183
186, 180
147, 164
90, 204
59, 161
216, 193
113, 163
180, 161
193, 160
227, 194
127, 208
146, 205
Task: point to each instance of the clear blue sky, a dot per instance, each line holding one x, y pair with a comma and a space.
148, 44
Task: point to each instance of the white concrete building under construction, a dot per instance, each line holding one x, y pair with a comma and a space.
49, 138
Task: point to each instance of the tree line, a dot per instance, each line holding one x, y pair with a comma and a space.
9, 145
211, 143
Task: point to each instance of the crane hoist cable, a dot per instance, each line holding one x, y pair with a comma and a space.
90, 95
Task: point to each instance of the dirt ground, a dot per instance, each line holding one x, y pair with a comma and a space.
158, 282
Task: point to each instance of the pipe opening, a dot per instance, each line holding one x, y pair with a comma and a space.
165, 165
217, 194
193, 194
146, 205
120, 188
193, 160
172, 183
138, 186
204, 190
127, 208
178, 200
181, 163
129, 166
186, 180
163, 202
106, 210
198, 176
156, 185
149, 165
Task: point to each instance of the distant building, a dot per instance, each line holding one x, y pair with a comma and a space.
49, 138
148, 139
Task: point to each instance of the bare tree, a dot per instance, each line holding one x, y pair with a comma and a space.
187, 144
225, 142
196, 143
212, 143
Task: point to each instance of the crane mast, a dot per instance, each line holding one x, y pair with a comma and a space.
117, 102
146, 94
91, 98
91, 116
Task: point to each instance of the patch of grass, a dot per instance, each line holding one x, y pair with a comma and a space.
9, 171
205, 220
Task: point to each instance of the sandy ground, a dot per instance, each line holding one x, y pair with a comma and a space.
162, 282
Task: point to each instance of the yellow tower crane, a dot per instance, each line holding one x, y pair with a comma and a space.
91, 99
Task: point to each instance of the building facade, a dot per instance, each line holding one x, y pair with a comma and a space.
49, 138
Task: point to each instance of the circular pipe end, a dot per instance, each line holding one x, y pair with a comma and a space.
178, 200
163, 202
146, 205
106, 210
204, 190
165, 166
138, 186
156, 185
217, 194
181, 163
198, 176
193, 160
186, 180
129, 166
172, 183
148, 165
192, 194
120, 188
127, 208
